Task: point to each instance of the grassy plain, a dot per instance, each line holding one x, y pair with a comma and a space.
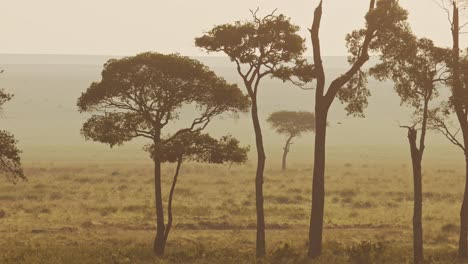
104, 213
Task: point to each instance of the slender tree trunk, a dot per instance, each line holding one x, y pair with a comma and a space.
323, 101
461, 112
169, 203
261, 247
416, 158
159, 242
318, 185
285, 152
463, 242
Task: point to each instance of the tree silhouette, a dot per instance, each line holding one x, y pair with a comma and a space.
457, 104
382, 20
416, 67
291, 124
261, 47
139, 96
200, 148
10, 161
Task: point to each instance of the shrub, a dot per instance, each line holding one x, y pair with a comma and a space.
367, 253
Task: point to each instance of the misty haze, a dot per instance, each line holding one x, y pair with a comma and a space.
234, 132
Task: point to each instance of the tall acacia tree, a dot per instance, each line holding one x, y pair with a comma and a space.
261, 47
10, 160
383, 18
458, 104
291, 124
200, 148
139, 96
416, 67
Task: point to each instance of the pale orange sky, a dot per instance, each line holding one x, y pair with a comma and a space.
122, 27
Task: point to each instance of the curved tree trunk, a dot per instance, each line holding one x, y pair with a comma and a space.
318, 185
285, 153
169, 203
159, 242
260, 247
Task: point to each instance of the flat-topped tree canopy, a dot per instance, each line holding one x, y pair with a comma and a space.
140, 95
292, 123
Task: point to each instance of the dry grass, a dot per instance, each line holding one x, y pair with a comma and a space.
105, 214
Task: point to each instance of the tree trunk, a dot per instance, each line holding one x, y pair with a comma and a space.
261, 247
460, 110
159, 242
416, 158
318, 185
463, 242
285, 152
169, 203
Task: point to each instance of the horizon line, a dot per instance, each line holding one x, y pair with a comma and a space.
121, 55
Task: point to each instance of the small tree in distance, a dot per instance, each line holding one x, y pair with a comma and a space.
199, 148
10, 161
139, 96
291, 124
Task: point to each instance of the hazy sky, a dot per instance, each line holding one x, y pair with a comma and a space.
123, 27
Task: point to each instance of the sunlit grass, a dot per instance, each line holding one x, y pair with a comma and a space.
105, 214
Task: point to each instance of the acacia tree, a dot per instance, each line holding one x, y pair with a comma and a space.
10, 160
416, 67
458, 104
291, 124
199, 148
460, 107
261, 47
139, 96
384, 18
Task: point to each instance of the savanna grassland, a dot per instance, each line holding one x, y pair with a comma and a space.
104, 213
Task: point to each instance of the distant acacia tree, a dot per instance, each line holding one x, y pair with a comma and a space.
10, 160
383, 18
139, 96
261, 47
416, 67
291, 124
200, 148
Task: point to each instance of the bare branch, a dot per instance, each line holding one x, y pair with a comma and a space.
439, 125
443, 7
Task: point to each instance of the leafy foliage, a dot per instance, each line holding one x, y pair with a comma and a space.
266, 45
139, 95
10, 161
292, 123
416, 67
202, 148
385, 24
460, 94
4, 97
